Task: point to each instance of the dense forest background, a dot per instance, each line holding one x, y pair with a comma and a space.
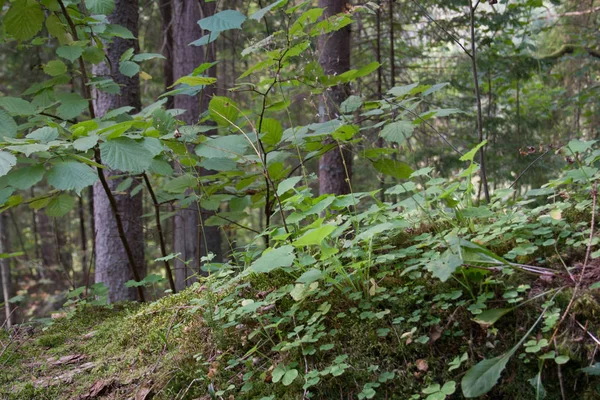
148, 146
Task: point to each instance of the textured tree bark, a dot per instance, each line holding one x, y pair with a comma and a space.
335, 166
189, 238
166, 19
111, 259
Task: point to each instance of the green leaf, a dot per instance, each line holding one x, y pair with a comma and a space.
7, 161
55, 68
129, 68
28, 149
351, 104
232, 146
272, 131
471, 154
24, 20
257, 16
85, 143
72, 105
60, 205
147, 56
223, 110
444, 266
393, 168
194, 81
449, 388
315, 236
118, 31
71, 175
181, 184
104, 7
399, 91
44, 135
483, 377
125, 154
278, 374
287, 184
274, 259
17, 106
289, 377
397, 132
489, 317
536, 382
8, 126
592, 370
206, 39
223, 21
25, 178
310, 276
562, 360
70, 53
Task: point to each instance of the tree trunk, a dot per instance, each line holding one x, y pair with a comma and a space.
111, 259
166, 18
189, 238
335, 167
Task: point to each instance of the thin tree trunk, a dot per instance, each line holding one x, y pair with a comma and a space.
166, 14
335, 166
112, 261
7, 292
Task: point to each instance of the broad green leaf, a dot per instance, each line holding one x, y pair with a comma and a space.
315, 236
71, 175
351, 104
287, 184
17, 106
310, 276
223, 21
160, 167
7, 161
399, 91
8, 126
592, 370
129, 68
24, 178
471, 154
195, 81
70, 53
277, 374
394, 168
147, 56
181, 184
44, 135
272, 131
28, 149
206, 39
55, 68
223, 110
536, 382
72, 105
24, 20
579, 146
119, 31
289, 377
85, 143
104, 7
219, 164
444, 266
60, 205
274, 259
483, 377
257, 16
397, 132
489, 317
232, 146
125, 154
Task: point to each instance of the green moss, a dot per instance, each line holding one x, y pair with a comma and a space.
51, 340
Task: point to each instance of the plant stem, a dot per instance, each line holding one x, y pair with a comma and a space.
486, 189
163, 247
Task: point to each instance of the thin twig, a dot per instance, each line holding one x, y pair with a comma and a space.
163, 247
529, 166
